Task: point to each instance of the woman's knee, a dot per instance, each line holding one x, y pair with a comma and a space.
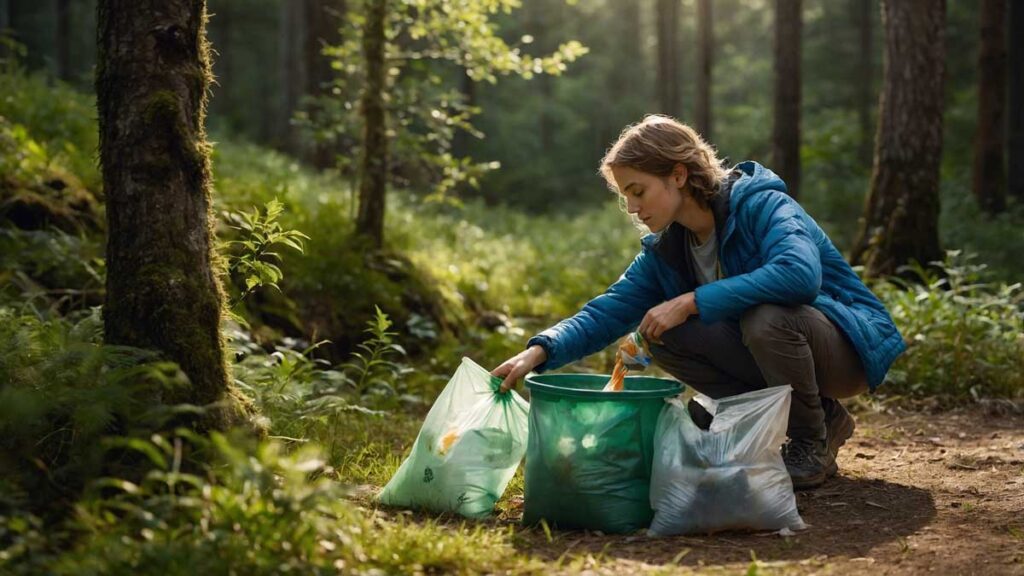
761, 323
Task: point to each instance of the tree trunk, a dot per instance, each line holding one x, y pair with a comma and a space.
705, 56
786, 131
901, 219
374, 164
293, 70
866, 78
626, 77
461, 140
1015, 127
988, 178
667, 19
324, 19
6, 26
163, 293
62, 41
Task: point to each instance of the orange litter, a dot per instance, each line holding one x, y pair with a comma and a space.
448, 440
615, 384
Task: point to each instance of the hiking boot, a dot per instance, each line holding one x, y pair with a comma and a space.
808, 462
839, 427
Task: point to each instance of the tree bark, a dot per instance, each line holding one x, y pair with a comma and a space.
667, 18
786, 130
163, 291
374, 163
902, 212
324, 19
988, 178
293, 70
1015, 126
62, 40
866, 76
705, 56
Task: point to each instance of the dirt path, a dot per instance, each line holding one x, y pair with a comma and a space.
916, 493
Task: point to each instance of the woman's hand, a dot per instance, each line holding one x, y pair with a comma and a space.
519, 365
666, 316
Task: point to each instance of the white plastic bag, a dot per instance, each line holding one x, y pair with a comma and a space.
468, 449
728, 477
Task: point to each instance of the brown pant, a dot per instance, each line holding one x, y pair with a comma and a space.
771, 345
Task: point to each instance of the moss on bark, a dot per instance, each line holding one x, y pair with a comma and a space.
163, 281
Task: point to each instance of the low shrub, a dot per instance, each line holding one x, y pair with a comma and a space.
965, 333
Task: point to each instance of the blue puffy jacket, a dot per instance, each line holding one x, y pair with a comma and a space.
771, 251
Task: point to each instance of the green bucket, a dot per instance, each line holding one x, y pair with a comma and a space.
589, 452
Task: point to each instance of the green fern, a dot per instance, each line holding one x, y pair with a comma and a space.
253, 258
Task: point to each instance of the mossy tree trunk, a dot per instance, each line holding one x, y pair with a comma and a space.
667, 78
705, 56
901, 218
786, 128
163, 292
373, 168
988, 180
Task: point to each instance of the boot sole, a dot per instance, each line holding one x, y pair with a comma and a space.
809, 483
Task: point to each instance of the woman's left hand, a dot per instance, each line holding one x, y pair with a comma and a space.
666, 316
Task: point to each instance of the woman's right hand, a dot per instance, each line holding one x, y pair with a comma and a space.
519, 365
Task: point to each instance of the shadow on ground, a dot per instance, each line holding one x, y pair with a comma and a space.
848, 517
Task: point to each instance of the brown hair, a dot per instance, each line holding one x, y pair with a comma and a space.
656, 144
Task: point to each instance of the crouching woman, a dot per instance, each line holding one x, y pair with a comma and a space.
736, 288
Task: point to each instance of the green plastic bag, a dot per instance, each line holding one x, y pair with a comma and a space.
588, 462
467, 450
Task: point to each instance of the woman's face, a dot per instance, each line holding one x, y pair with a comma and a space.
657, 201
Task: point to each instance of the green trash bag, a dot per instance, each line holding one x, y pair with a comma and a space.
588, 462
467, 450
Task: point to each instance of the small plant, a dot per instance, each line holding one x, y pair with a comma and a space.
965, 334
256, 262
371, 370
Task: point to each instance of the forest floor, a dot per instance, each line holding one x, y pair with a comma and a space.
937, 492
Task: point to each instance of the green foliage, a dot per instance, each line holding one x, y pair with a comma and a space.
60, 121
371, 368
253, 259
255, 509
430, 44
61, 391
50, 271
966, 334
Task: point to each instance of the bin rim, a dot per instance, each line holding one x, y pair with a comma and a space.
548, 384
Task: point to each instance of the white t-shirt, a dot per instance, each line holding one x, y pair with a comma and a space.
705, 259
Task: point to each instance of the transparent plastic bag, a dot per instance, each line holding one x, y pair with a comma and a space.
467, 450
730, 476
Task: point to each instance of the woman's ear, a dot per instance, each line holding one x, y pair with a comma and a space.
680, 175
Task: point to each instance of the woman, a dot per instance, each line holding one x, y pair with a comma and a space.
736, 289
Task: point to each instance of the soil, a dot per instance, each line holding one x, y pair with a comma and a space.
916, 493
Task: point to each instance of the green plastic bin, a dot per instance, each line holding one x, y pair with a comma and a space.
589, 452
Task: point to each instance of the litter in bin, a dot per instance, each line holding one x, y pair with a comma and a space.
632, 354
